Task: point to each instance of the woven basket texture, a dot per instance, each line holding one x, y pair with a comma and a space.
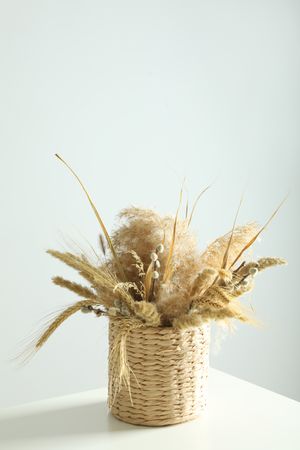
169, 380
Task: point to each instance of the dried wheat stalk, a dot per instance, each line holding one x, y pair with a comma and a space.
82, 291
61, 318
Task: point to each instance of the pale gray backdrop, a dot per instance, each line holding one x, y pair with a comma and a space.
136, 95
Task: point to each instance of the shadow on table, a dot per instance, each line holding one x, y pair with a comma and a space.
83, 419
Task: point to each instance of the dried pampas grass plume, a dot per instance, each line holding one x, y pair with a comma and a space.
214, 254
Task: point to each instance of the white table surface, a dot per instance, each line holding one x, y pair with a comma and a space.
240, 416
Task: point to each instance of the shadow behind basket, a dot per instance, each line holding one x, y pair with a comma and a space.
169, 379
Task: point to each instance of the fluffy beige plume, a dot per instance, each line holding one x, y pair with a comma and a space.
214, 254
141, 231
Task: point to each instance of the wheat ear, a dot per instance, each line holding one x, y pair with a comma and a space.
82, 291
61, 318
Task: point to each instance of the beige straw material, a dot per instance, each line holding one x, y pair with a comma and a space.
168, 374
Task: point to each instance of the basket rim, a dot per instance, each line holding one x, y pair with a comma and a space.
161, 328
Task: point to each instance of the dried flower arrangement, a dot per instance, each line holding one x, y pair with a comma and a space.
151, 273
152, 270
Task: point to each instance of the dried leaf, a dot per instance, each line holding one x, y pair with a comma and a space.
121, 271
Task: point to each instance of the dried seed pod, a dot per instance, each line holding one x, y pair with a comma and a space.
253, 271
113, 311
124, 310
118, 303
154, 256
160, 248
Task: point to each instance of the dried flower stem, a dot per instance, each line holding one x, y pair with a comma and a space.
195, 204
102, 244
168, 268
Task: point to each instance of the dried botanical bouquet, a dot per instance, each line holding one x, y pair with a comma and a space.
151, 273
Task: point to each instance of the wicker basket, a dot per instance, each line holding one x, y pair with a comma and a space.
169, 374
